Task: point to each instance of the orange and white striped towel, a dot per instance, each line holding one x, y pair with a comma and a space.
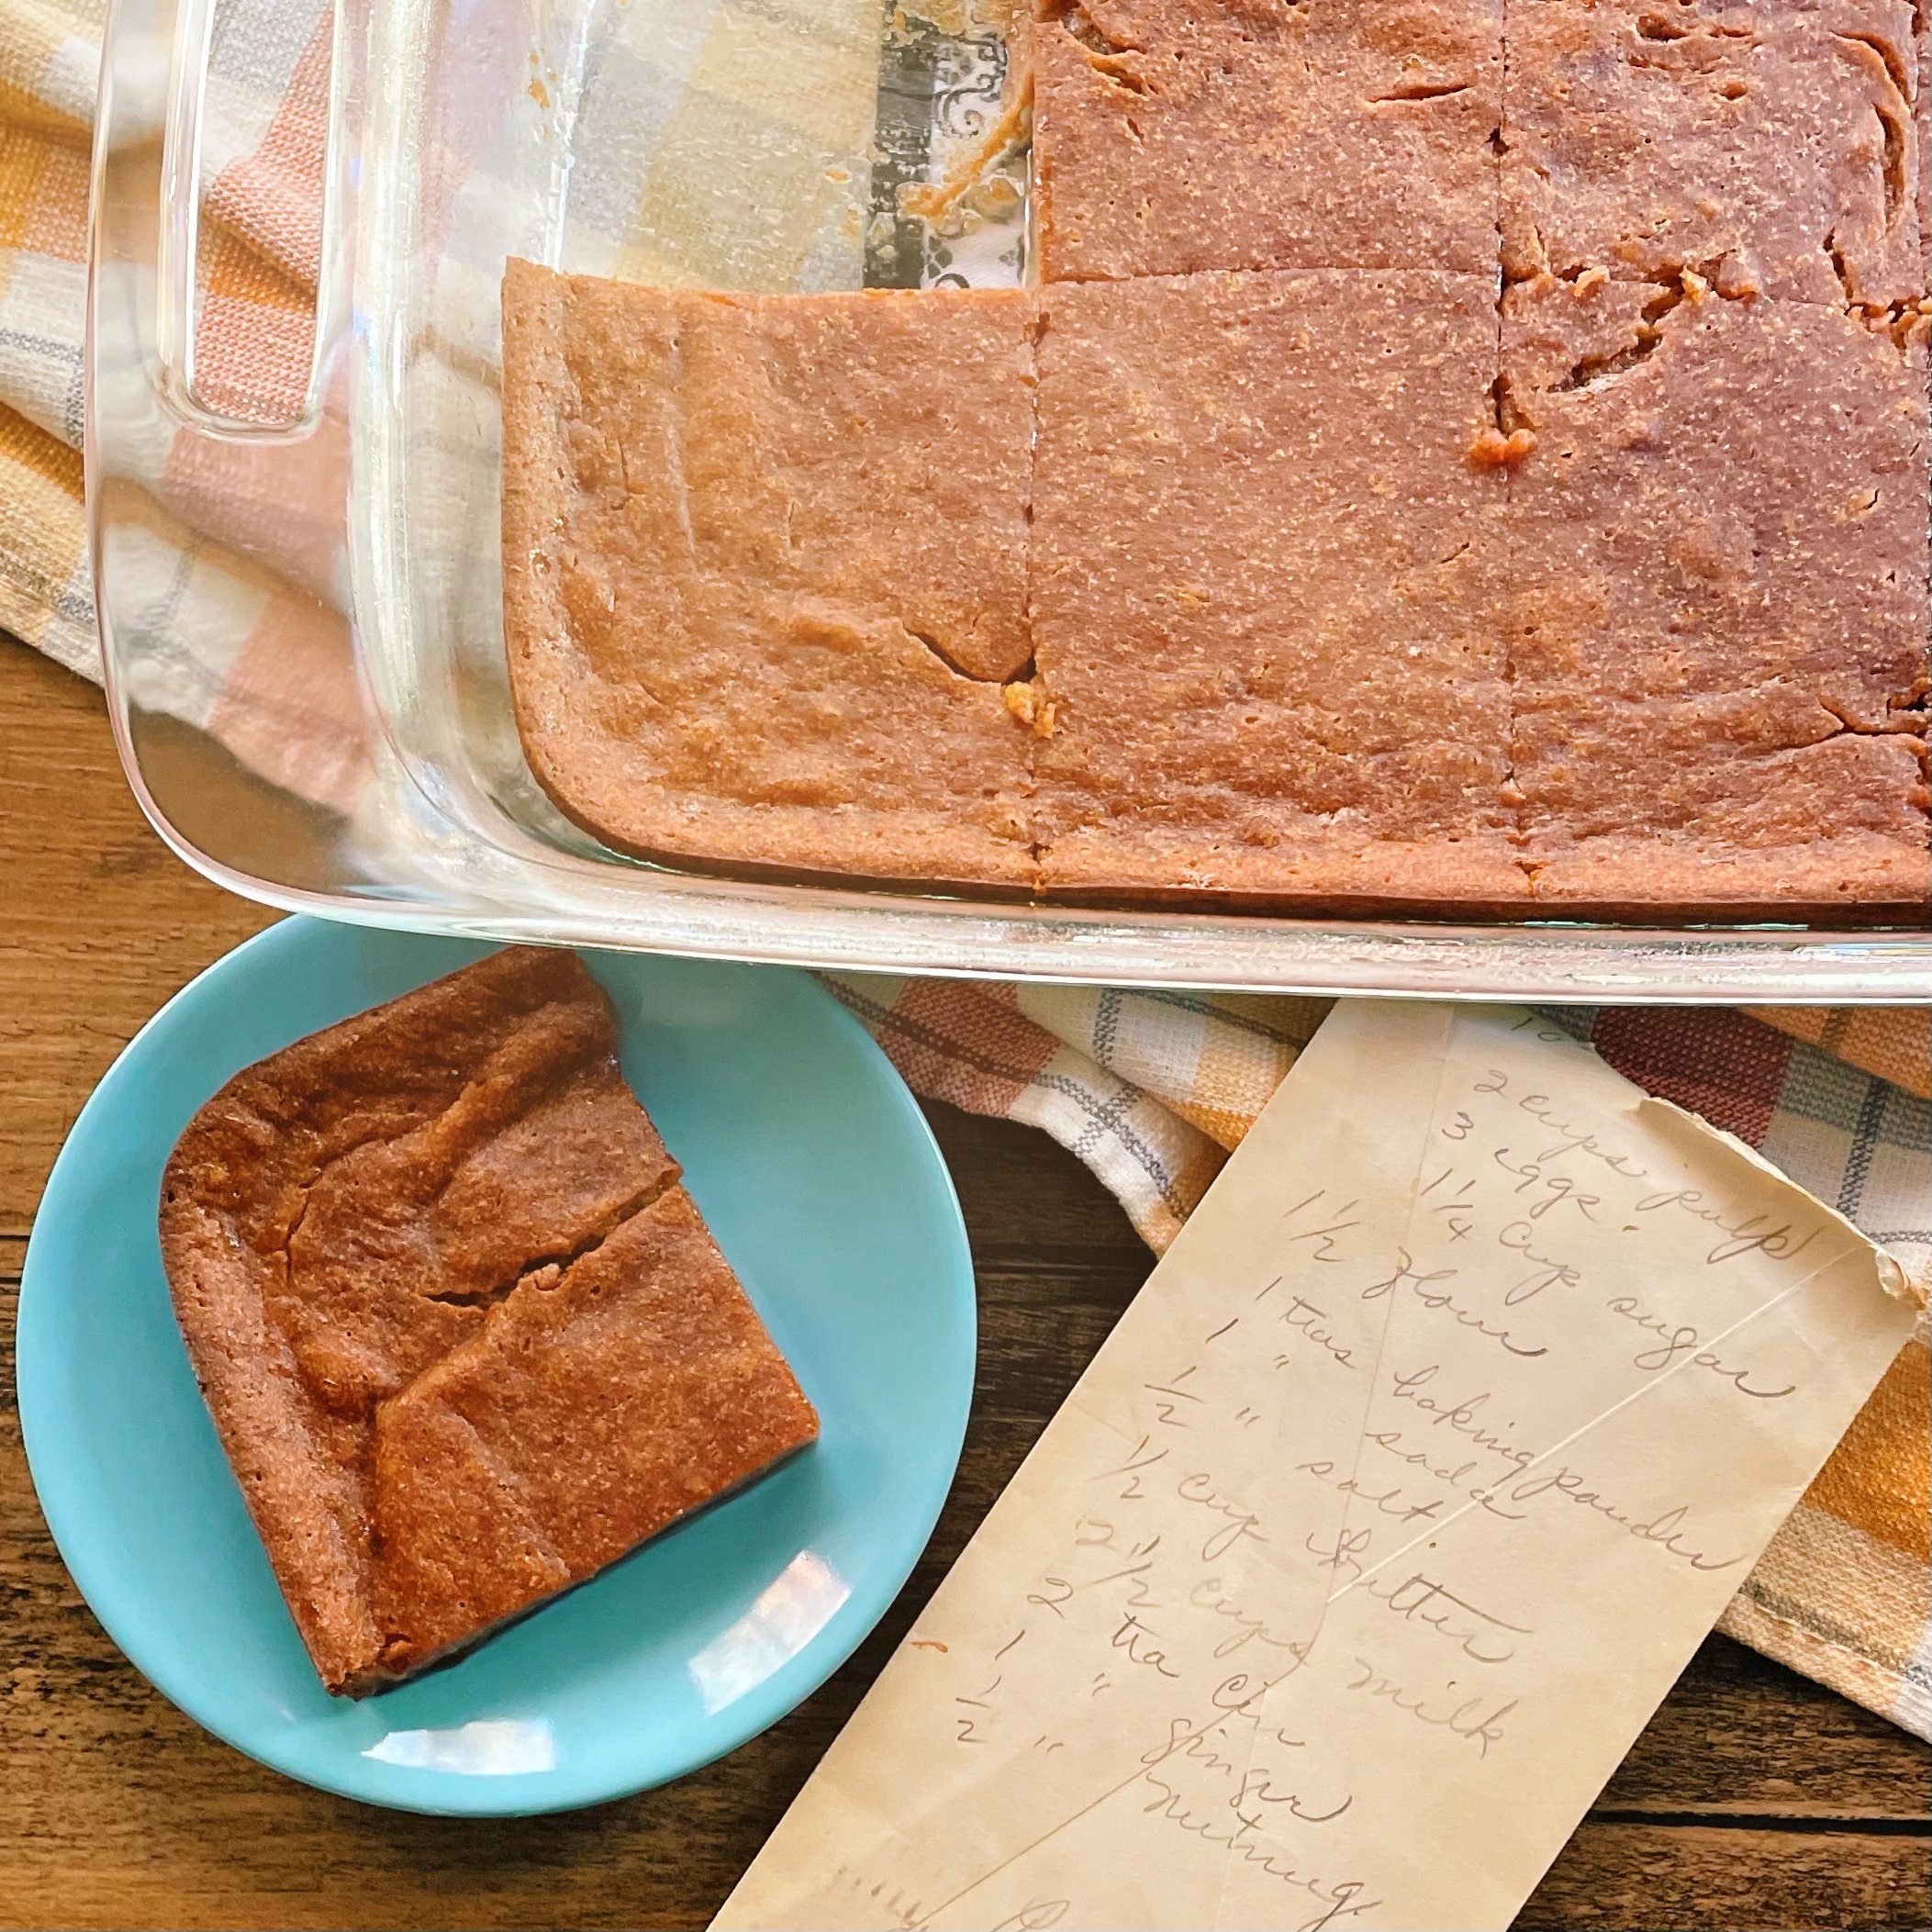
1149, 1088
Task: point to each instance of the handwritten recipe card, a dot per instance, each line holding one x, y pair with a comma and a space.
1379, 1526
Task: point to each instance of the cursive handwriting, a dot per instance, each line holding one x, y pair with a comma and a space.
1466, 1417
1554, 1190
1139, 1642
1240, 1524
1466, 1720
1309, 1319
1545, 1270
1750, 1236
1391, 1441
1573, 1140
1342, 1901
1664, 1532
1477, 1635
1385, 1502
1225, 1594
1423, 1288
1676, 1344
1211, 1594
1252, 1784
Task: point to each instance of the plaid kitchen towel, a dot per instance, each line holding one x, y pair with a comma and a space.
1152, 1089
1149, 1088
48, 58
262, 158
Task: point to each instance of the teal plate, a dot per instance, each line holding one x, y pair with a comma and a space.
823, 1186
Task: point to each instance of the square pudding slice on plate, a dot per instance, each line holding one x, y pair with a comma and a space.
1171, 136
1292, 688
765, 572
465, 1338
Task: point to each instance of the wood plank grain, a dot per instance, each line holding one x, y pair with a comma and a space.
1754, 1798
1637, 1877
103, 922
1025, 1198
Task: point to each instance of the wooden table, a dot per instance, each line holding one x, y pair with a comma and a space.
1754, 1799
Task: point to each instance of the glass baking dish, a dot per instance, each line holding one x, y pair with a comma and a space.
301, 619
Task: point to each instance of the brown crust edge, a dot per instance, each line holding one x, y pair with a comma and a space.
236, 1352
375, 1679
1910, 912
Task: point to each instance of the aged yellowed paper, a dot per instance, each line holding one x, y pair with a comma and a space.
1378, 1527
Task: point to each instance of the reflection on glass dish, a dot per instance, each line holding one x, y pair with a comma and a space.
790, 1611
490, 1748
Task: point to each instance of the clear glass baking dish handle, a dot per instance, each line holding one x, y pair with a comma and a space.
178, 238
217, 536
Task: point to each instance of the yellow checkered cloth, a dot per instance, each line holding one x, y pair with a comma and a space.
48, 60
1149, 1088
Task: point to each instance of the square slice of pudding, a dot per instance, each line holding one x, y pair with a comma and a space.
1718, 638
764, 573
1267, 591
1171, 136
464, 1337
1773, 147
